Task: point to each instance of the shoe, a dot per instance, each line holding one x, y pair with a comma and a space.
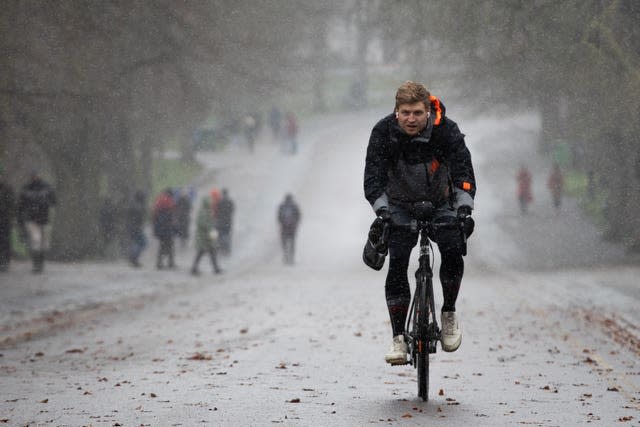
451, 336
397, 354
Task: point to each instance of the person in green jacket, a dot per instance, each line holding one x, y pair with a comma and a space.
206, 238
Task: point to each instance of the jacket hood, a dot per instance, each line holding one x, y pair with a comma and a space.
437, 110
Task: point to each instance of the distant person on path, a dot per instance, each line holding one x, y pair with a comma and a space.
556, 185
525, 197
164, 228
206, 238
417, 157
291, 133
36, 199
250, 130
7, 213
135, 217
275, 122
288, 218
224, 222
183, 216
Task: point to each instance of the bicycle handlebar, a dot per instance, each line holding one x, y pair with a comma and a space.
417, 225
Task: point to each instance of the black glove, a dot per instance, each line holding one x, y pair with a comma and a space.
384, 214
464, 215
464, 211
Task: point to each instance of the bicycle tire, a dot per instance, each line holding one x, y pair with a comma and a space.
422, 348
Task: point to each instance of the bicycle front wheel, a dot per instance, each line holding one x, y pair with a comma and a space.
422, 350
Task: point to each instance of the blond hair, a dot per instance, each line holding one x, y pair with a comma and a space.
411, 92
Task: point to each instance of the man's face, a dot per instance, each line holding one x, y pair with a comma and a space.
412, 118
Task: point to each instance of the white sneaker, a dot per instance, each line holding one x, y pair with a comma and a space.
451, 337
397, 354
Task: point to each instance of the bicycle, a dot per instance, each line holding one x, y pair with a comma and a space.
422, 330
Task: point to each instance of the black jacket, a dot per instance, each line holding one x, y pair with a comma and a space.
404, 168
224, 214
35, 200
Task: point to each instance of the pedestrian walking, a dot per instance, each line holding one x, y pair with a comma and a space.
206, 238
291, 134
224, 222
164, 228
7, 213
289, 218
525, 197
250, 130
36, 199
136, 213
555, 184
275, 122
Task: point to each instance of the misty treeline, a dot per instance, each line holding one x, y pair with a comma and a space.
577, 62
90, 91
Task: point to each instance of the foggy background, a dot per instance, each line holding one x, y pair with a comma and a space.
101, 96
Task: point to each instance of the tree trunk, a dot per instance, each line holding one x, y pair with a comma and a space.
74, 228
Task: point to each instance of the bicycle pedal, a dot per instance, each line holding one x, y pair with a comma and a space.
395, 363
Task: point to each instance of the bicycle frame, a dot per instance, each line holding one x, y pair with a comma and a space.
424, 286
423, 332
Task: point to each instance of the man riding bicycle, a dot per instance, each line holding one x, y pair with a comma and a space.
416, 154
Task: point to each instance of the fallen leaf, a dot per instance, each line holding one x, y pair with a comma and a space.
296, 400
200, 356
244, 330
407, 415
613, 389
44, 401
441, 392
75, 350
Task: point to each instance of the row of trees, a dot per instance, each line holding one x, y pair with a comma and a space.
95, 88
577, 62
89, 91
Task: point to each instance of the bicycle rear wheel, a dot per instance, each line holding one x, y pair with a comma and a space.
422, 348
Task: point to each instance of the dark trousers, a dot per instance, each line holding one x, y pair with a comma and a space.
165, 250
213, 255
288, 246
401, 243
